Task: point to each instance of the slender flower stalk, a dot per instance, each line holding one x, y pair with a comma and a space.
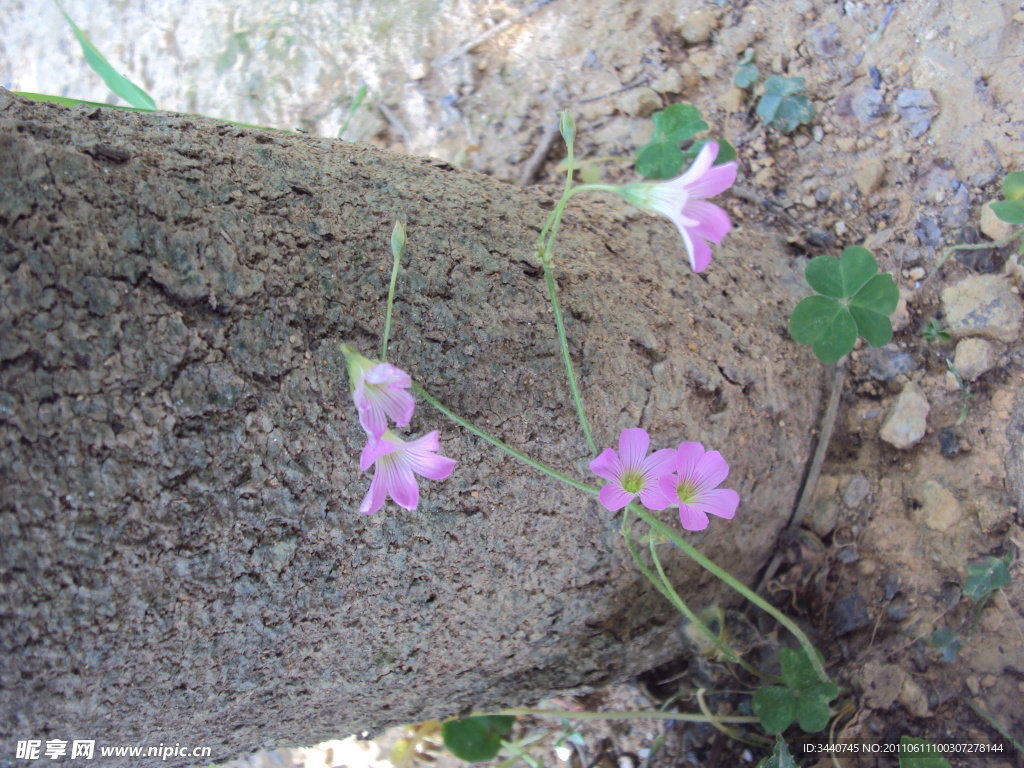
397, 249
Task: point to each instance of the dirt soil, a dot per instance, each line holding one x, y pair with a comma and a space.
880, 560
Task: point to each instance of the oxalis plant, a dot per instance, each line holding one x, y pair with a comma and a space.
639, 483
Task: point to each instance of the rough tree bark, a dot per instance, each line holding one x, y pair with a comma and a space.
182, 559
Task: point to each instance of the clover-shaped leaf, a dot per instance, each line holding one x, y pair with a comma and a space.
854, 300
1011, 209
661, 158
804, 698
476, 739
985, 577
783, 104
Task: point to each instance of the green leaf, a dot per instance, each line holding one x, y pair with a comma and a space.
476, 739
659, 160
797, 671
823, 275
857, 266
915, 753
780, 756
985, 577
812, 713
783, 105
784, 86
792, 112
776, 706
826, 325
746, 75
1010, 211
871, 307
1013, 186
677, 117
117, 82
946, 642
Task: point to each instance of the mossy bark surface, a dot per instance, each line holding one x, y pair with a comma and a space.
182, 556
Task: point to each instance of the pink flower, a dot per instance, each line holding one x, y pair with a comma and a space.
695, 486
379, 392
397, 462
682, 200
632, 474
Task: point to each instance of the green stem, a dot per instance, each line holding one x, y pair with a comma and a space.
391, 301
498, 444
731, 580
563, 342
975, 247
684, 609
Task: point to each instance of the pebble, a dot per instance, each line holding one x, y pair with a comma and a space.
824, 513
939, 508
820, 238
927, 231
958, 212
917, 106
639, 102
670, 82
907, 421
869, 175
850, 614
857, 489
898, 609
888, 362
822, 194
949, 443
818, 133
698, 26
890, 586
916, 273
868, 105
992, 226
973, 358
983, 305
913, 697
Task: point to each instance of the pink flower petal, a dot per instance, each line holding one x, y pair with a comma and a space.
712, 222
633, 444
714, 181
374, 498
700, 254
654, 498
687, 458
701, 164
659, 464
607, 465
373, 450
691, 518
402, 486
721, 502
613, 498
711, 470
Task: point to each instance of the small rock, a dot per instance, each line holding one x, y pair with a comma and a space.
983, 305
973, 357
670, 82
992, 226
857, 489
881, 684
916, 273
876, 77
888, 362
820, 238
927, 231
939, 508
763, 178
898, 609
639, 102
958, 212
825, 40
824, 512
907, 421
973, 685
890, 586
869, 175
868, 105
698, 26
913, 697
949, 443
822, 194
917, 106
850, 614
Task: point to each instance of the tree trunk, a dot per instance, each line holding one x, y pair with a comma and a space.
182, 556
